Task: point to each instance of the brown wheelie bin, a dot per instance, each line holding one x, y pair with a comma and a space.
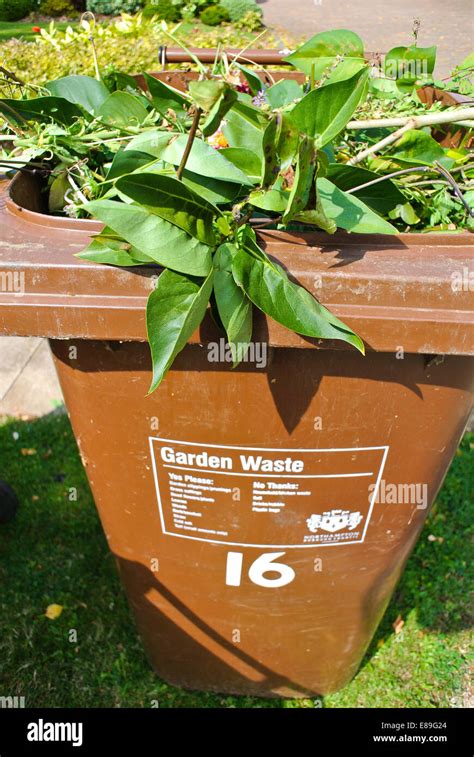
260, 517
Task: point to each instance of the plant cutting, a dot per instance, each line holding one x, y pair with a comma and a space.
146, 165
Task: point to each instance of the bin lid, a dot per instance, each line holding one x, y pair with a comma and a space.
409, 291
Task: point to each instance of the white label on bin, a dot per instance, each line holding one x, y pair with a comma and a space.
265, 497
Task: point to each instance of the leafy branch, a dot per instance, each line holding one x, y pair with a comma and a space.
183, 180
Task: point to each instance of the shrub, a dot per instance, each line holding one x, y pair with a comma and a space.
57, 8
129, 46
113, 7
250, 22
14, 10
237, 9
214, 15
165, 10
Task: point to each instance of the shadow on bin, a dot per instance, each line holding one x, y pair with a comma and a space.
398, 420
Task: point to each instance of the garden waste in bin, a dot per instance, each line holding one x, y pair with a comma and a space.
260, 517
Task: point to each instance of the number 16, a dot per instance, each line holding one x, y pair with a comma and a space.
260, 566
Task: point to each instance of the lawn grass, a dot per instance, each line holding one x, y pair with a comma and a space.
55, 552
20, 29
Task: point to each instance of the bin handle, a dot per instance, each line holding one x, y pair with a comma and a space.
207, 55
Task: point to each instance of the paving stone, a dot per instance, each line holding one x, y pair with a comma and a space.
382, 25
34, 389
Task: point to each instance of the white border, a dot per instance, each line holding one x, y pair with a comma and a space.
385, 447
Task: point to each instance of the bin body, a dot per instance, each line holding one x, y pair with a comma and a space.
322, 465
311, 460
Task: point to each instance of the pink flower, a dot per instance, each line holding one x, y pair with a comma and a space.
243, 87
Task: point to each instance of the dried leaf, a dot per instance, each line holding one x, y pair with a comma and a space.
53, 611
398, 625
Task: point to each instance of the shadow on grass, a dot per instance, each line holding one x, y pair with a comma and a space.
91, 656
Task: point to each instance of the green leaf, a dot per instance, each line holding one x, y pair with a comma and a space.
381, 197
172, 200
349, 212
245, 160
206, 93
59, 186
418, 148
41, 109
174, 311
81, 90
385, 89
269, 288
288, 142
304, 177
165, 98
283, 93
203, 159
463, 76
153, 142
127, 161
407, 65
319, 53
234, 307
117, 80
219, 110
274, 199
224, 226
214, 97
112, 251
164, 243
271, 161
251, 113
122, 109
406, 213
256, 85
466, 63
214, 191
324, 112
317, 217
244, 129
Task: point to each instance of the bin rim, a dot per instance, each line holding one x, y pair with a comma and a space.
307, 237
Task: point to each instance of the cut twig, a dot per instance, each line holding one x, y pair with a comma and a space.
437, 168
413, 122
270, 222
429, 119
418, 169
9, 75
189, 143
382, 143
444, 172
